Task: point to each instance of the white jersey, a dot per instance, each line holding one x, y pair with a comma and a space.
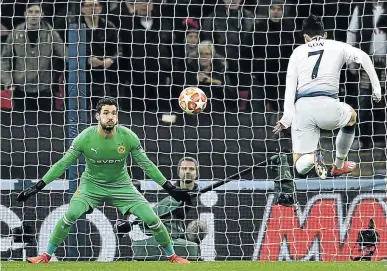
317, 65
314, 70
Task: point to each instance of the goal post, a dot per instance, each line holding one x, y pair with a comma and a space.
76, 113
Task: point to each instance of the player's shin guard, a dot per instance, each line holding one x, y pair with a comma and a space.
160, 233
61, 230
284, 186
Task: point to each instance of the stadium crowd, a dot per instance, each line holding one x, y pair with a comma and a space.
146, 51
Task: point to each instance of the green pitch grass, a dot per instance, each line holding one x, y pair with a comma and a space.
201, 266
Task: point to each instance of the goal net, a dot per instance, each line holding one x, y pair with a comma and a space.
60, 57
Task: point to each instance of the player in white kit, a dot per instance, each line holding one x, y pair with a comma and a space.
311, 99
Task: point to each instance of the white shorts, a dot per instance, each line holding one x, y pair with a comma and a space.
315, 113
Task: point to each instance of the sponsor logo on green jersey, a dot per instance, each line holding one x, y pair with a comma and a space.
107, 161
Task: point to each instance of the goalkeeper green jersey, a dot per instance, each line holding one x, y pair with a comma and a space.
106, 158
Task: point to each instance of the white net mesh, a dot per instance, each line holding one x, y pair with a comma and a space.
60, 57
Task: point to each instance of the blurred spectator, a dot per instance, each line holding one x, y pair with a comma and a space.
3, 30
185, 55
262, 9
188, 171
102, 51
368, 30
335, 14
231, 29
186, 46
121, 16
208, 73
182, 222
273, 46
187, 8
146, 63
28, 61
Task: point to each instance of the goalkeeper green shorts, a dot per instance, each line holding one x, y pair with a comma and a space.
126, 198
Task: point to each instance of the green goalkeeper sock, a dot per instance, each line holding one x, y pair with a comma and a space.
168, 249
160, 233
51, 248
62, 228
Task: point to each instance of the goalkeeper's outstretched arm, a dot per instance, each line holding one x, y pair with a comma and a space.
152, 171
70, 157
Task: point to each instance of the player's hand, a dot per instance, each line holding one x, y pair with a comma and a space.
202, 77
377, 95
177, 193
108, 62
278, 128
95, 62
32, 190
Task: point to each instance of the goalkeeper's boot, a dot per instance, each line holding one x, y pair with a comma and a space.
177, 259
319, 165
347, 168
44, 258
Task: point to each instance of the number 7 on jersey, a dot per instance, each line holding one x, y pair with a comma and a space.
317, 65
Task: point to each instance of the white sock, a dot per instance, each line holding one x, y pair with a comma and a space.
344, 142
305, 163
339, 163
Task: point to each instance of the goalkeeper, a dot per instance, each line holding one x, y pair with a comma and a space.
106, 148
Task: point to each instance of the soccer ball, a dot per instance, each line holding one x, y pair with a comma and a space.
192, 100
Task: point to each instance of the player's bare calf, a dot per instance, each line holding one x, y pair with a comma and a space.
44, 258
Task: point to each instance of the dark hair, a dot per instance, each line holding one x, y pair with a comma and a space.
188, 158
106, 101
100, 2
31, 3
313, 26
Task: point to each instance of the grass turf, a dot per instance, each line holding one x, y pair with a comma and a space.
201, 266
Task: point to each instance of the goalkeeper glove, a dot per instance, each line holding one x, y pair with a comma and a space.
32, 190
177, 193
